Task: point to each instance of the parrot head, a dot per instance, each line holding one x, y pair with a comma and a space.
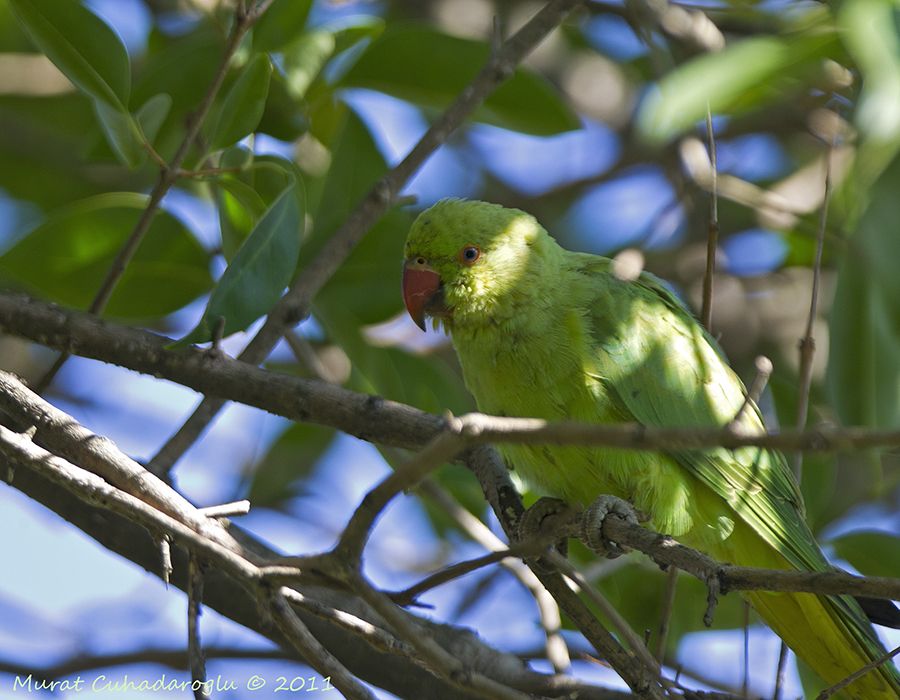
466, 259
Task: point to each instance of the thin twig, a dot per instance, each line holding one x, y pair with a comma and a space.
828, 692
763, 371
780, 671
226, 510
165, 558
195, 647
712, 238
637, 645
666, 614
294, 306
410, 595
438, 659
317, 656
745, 671
168, 176
807, 345
355, 535
556, 649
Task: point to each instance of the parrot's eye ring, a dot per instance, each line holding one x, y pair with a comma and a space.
469, 254
420, 260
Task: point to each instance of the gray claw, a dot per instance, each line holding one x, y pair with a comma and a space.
592, 524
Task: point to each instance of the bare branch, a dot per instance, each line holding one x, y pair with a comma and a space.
226, 510
763, 372
556, 648
318, 656
664, 550
195, 648
355, 535
807, 345
370, 417
871, 666
666, 613
445, 664
63, 435
712, 237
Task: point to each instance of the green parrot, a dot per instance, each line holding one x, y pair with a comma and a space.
544, 332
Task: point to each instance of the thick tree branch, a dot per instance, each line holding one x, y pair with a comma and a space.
369, 417
92, 491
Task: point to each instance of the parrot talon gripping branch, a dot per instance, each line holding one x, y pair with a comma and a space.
546, 333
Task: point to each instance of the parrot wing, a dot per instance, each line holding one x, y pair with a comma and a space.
664, 369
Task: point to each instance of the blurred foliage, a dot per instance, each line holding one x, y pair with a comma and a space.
79, 145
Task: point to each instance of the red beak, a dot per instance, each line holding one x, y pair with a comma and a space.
421, 287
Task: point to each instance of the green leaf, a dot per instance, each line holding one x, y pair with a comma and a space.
863, 374
66, 257
356, 163
152, 114
429, 68
281, 24
290, 460
243, 106
304, 58
122, 133
869, 28
245, 196
81, 45
258, 274
745, 74
870, 553
181, 67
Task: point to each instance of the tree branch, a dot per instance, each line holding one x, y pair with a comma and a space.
369, 417
94, 493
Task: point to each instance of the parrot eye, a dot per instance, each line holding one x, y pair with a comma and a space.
469, 254
420, 260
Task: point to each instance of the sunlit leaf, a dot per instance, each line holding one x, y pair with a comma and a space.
430, 68
258, 274
66, 258
242, 108
245, 196
720, 81
871, 34
304, 58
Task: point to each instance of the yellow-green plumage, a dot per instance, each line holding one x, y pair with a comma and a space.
544, 332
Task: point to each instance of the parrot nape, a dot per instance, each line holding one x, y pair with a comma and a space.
544, 332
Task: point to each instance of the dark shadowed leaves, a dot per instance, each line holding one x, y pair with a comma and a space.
870, 553
242, 108
290, 459
66, 257
281, 24
863, 375
429, 68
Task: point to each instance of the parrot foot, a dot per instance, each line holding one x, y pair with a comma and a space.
547, 515
592, 524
